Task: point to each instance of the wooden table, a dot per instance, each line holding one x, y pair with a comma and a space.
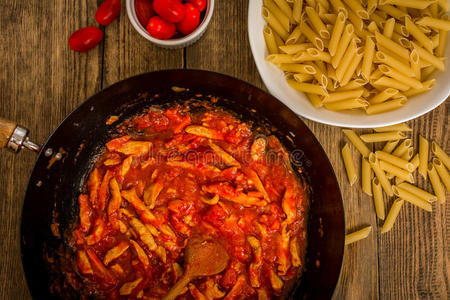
42, 81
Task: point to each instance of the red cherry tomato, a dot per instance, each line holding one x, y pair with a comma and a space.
107, 12
170, 10
144, 11
85, 39
160, 28
191, 19
199, 4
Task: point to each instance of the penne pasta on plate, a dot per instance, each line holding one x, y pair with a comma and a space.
394, 45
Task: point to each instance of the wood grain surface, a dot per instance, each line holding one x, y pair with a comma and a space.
42, 81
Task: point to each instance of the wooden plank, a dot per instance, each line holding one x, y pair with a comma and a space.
414, 255
41, 81
225, 48
127, 53
359, 274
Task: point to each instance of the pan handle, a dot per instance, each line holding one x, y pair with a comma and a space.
15, 137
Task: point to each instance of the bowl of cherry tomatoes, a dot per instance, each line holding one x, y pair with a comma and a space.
170, 23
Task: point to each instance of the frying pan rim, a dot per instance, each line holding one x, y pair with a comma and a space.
95, 95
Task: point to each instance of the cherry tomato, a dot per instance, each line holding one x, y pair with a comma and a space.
199, 4
160, 28
191, 19
107, 12
85, 39
170, 10
144, 11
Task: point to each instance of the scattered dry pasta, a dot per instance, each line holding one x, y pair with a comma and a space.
394, 167
357, 235
391, 46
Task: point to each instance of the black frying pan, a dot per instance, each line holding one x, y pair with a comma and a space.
52, 192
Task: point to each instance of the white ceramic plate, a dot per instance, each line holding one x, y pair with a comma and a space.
276, 84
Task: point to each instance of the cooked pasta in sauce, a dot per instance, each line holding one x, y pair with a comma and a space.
174, 172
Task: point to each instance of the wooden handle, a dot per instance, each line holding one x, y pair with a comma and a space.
6, 130
178, 287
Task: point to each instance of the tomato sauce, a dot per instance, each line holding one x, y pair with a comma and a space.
172, 173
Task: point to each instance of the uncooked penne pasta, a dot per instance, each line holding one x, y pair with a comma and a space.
371, 66
408, 154
389, 146
274, 23
354, 63
402, 148
415, 65
418, 4
357, 235
393, 11
307, 87
390, 82
315, 100
339, 7
415, 161
317, 23
418, 34
281, 58
386, 94
375, 164
418, 191
295, 48
392, 215
423, 156
282, 18
311, 36
385, 106
332, 97
357, 142
436, 183
366, 177
301, 77
336, 34
440, 49
391, 72
298, 68
371, 6
435, 23
356, 6
352, 85
390, 45
294, 36
427, 85
411, 198
443, 4
394, 64
270, 40
343, 65
297, 10
342, 44
348, 163
443, 157
396, 161
319, 55
355, 20
369, 51
331, 20
396, 171
388, 29
382, 136
285, 8
442, 172
378, 198
429, 57
346, 104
